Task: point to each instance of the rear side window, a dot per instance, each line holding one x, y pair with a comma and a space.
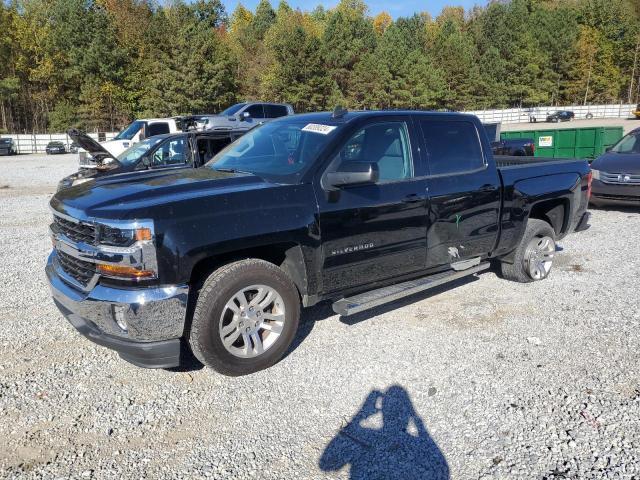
453, 146
274, 111
159, 128
255, 111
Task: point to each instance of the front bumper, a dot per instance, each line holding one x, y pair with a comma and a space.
614, 194
155, 318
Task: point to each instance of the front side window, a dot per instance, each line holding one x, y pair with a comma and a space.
232, 110
170, 153
385, 144
255, 111
628, 144
453, 146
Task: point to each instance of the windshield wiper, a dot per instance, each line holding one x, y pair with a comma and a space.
231, 170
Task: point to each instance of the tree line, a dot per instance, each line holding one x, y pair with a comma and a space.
96, 64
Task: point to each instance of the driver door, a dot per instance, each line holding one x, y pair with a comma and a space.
375, 231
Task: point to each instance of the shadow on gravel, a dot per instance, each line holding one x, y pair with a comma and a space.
386, 439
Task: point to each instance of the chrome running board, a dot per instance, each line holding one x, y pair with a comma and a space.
364, 301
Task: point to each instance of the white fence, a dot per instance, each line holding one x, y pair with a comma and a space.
37, 143
27, 143
522, 115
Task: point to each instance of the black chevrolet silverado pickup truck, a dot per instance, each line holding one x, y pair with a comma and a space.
357, 208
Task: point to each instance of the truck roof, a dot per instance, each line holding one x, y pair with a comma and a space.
352, 115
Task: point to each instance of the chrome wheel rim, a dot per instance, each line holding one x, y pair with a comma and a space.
252, 321
539, 257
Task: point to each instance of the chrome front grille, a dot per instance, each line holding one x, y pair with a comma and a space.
76, 231
620, 178
81, 271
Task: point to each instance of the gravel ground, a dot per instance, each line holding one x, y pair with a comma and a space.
490, 379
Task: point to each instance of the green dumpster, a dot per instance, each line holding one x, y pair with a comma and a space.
588, 142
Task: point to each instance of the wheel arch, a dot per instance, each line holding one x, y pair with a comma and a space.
286, 255
556, 212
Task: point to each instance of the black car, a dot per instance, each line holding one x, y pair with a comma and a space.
517, 147
161, 152
616, 173
561, 116
55, 148
7, 146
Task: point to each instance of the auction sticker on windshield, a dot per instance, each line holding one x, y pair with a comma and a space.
318, 128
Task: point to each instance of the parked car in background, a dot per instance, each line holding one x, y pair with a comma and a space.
356, 208
8, 146
55, 147
516, 147
246, 115
616, 173
171, 151
73, 148
561, 116
636, 112
133, 133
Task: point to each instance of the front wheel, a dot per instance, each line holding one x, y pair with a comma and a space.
534, 256
245, 318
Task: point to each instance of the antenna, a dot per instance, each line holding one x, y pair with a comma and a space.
339, 112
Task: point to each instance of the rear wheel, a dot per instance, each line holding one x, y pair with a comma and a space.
245, 318
534, 256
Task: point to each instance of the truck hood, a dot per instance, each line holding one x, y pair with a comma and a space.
97, 151
122, 196
618, 163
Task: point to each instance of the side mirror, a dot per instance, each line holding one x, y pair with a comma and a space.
353, 173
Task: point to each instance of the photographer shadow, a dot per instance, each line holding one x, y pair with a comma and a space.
386, 439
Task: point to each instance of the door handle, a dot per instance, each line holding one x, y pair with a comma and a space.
487, 188
412, 198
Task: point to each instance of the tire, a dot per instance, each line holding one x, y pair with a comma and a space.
524, 262
217, 316
589, 116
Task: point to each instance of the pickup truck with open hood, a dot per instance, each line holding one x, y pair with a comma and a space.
355, 208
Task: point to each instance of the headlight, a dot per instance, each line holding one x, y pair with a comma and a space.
126, 250
595, 174
124, 237
79, 181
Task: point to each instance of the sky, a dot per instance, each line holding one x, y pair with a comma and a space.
395, 9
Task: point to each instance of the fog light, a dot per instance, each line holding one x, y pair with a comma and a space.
120, 317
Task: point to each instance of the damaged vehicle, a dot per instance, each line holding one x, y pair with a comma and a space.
355, 208
174, 151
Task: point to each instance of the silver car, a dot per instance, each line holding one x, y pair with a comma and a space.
244, 116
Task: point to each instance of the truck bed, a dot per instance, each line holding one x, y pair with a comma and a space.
508, 161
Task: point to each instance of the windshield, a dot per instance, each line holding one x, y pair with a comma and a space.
630, 143
232, 109
279, 150
130, 131
132, 154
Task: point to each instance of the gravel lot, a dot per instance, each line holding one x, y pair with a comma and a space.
491, 379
